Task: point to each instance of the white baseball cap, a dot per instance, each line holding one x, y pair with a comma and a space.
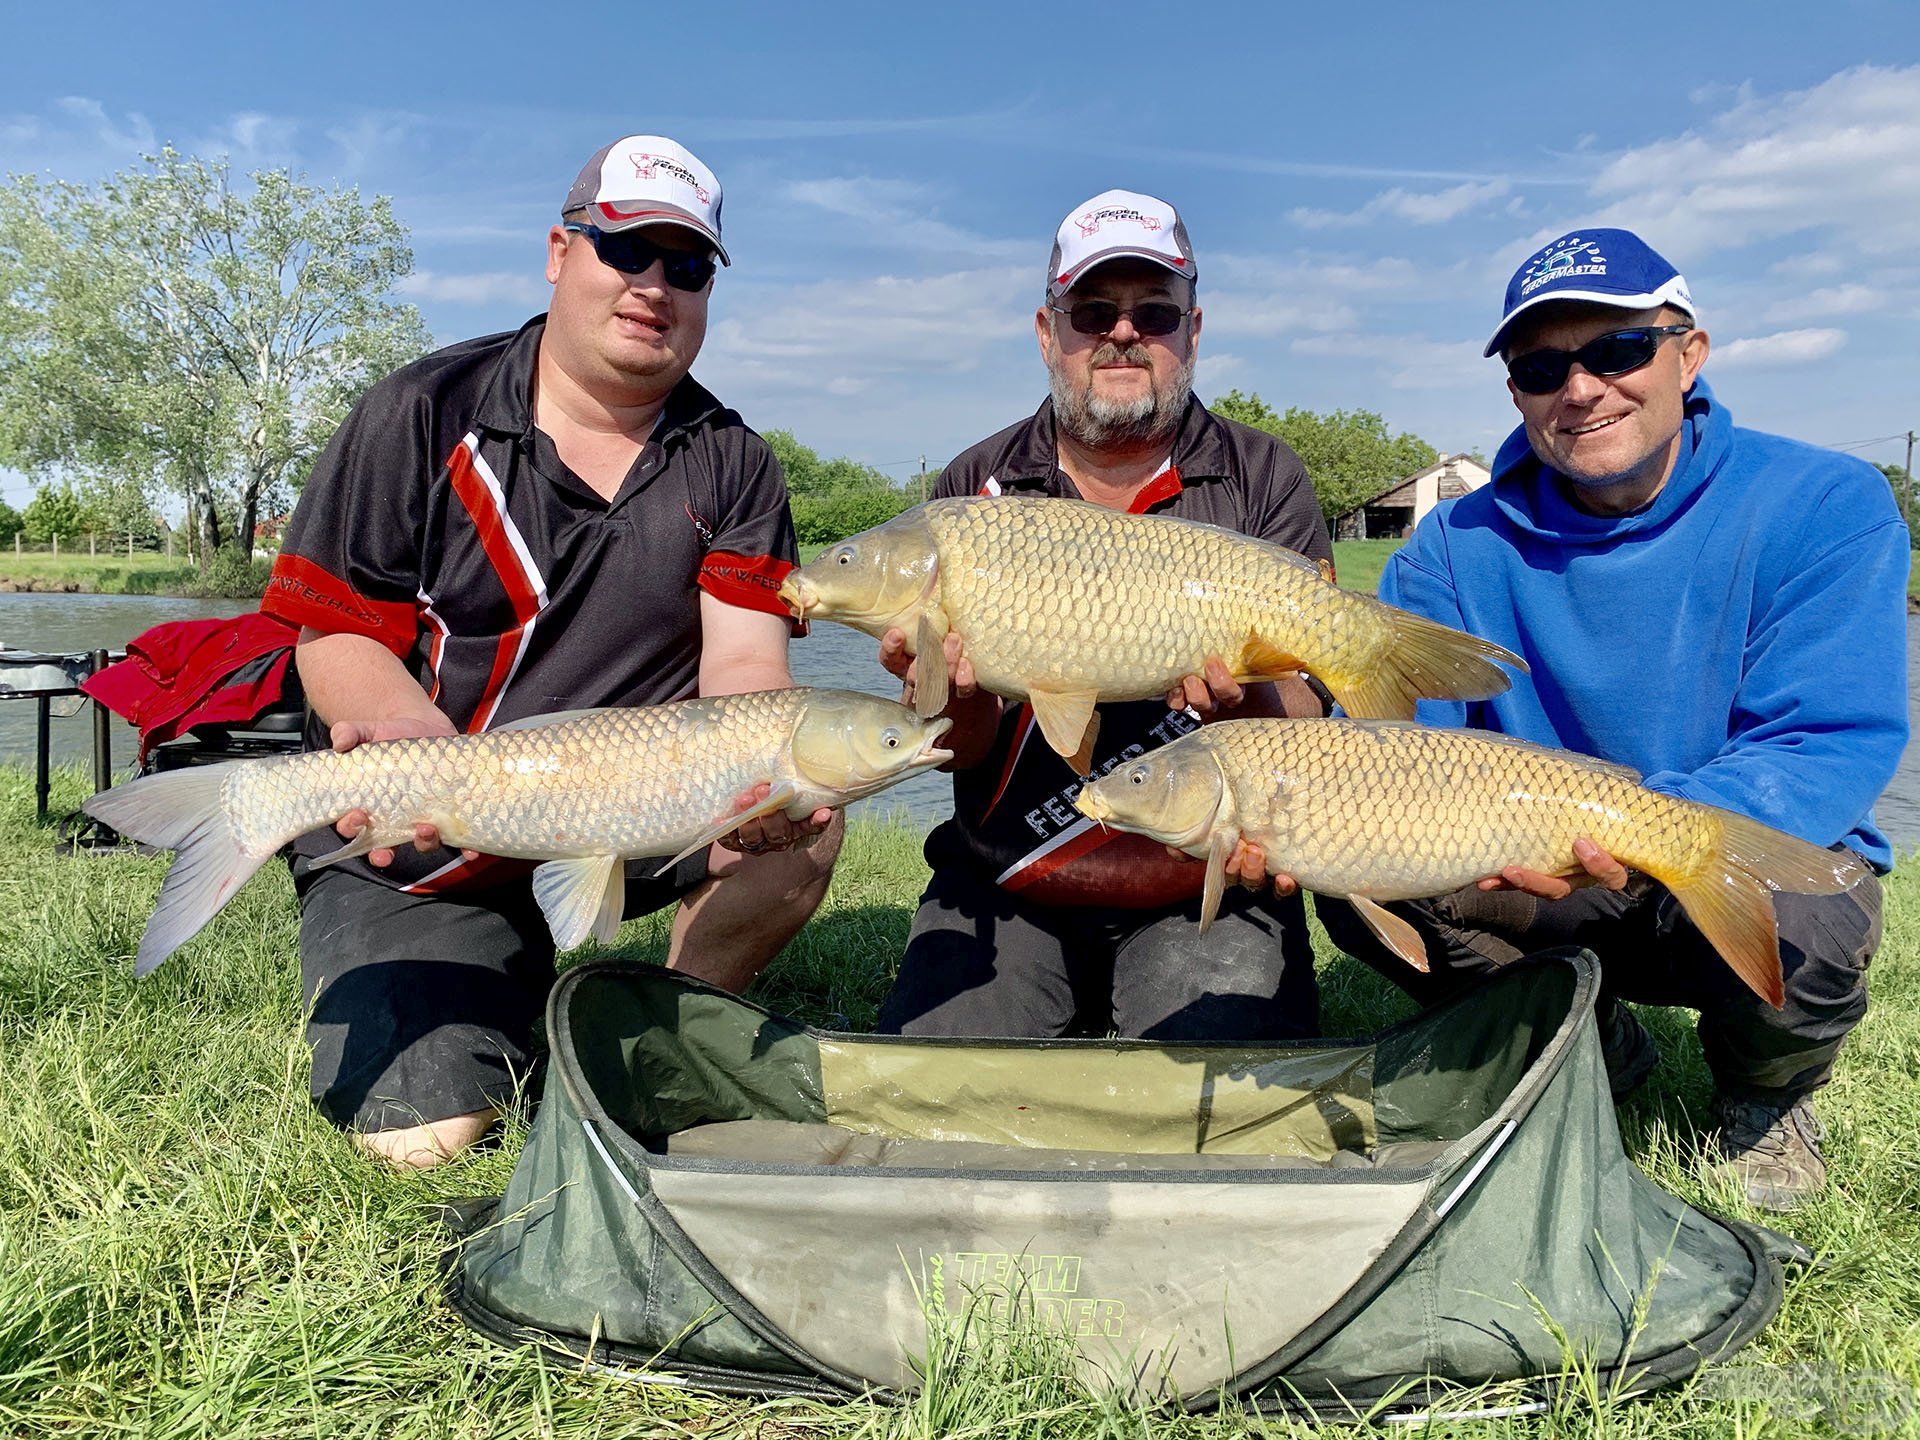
647, 180
1116, 223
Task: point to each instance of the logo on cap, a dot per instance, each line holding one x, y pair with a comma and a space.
646, 165
1089, 222
1563, 260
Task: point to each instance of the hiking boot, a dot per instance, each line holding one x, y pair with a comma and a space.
1771, 1149
1628, 1050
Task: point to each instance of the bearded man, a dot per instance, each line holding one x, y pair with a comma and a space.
1037, 922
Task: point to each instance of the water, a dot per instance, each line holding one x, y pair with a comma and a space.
56, 624
831, 655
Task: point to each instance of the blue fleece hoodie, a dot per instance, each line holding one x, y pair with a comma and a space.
1740, 641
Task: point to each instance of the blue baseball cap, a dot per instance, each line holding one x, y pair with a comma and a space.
1602, 267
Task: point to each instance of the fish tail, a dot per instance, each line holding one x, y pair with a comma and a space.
1422, 660
1730, 897
181, 811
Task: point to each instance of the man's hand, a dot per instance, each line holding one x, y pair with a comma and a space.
772, 832
961, 682
1600, 869
345, 734
1214, 694
1247, 866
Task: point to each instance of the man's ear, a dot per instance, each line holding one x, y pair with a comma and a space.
1043, 332
1513, 394
1193, 337
1694, 347
556, 251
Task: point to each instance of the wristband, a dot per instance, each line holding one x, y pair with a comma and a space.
1321, 693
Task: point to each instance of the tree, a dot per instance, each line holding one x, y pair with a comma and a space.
165, 328
1349, 454
1902, 485
11, 523
55, 511
808, 474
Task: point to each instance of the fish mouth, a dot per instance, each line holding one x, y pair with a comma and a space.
797, 596
931, 754
1092, 804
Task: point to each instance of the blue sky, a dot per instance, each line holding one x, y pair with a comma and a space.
1358, 181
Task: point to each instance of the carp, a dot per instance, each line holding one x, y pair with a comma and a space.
579, 791
1065, 604
1380, 810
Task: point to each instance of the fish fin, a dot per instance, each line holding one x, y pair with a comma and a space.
553, 717
1393, 932
930, 667
1067, 721
1325, 568
1423, 660
1261, 659
580, 898
1730, 899
182, 811
1219, 851
777, 799
365, 842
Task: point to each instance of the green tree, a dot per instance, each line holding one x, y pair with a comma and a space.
1902, 486
1350, 454
56, 510
166, 328
11, 523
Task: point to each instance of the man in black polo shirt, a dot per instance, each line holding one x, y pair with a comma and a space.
555, 519
1036, 921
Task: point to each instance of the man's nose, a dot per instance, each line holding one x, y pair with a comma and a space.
1123, 334
653, 278
1582, 387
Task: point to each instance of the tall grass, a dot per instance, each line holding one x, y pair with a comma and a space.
186, 1249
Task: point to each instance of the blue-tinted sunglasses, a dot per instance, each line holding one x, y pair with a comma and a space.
631, 253
1541, 372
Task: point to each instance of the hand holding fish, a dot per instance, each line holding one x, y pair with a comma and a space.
343, 735
1247, 867
1601, 869
768, 832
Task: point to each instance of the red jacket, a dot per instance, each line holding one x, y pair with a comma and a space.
199, 672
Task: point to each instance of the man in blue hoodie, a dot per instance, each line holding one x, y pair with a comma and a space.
1721, 609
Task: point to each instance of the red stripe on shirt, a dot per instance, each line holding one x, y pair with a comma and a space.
491, 526
1081, 845
1161, 488
1020, 730
460, 873
750, 581
303, 593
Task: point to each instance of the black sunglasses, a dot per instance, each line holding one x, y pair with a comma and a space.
1541, 372
631, 253
1098, 317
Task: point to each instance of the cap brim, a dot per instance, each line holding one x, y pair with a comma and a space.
1644, 300
613, 219
1060, 284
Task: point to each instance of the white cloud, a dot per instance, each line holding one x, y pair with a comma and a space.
1241, 314
492, 287
1412, 207
1408, 362
1779, 350
1829, 300
897, 214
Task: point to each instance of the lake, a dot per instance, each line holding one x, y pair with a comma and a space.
831, 655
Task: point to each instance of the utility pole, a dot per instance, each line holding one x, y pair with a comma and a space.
923, 469
1906, 488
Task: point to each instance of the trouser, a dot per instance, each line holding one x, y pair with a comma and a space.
980, 962
1650, 953
423, 1007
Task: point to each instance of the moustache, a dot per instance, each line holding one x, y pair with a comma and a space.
1112, 354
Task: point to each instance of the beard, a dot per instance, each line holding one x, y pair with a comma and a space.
1100, 423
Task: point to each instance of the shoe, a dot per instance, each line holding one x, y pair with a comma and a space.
1771, 1150
1628, 1050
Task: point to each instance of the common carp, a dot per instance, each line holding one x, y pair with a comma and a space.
1065, 604
580, 791
1379, 810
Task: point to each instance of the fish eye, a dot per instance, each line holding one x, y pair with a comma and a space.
1139, 775
890, 739
843, 556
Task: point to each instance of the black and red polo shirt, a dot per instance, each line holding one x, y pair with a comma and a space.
442, 523
1014, 820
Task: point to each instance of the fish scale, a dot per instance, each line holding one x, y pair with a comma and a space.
618, 781
1387, 810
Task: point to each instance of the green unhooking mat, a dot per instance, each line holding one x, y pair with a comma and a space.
716, 1193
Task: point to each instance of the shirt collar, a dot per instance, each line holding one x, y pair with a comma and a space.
1199, 449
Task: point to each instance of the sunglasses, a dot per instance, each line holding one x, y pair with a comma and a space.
1541, 372
1098, 317
631, 253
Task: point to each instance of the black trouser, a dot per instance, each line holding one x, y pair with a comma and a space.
981, 962
1650, 953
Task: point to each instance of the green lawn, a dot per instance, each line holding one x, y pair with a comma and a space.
106, 574
186, 1249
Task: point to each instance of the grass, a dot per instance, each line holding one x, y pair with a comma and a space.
187, 1249
105, 574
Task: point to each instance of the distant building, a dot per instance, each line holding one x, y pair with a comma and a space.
1394, 512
